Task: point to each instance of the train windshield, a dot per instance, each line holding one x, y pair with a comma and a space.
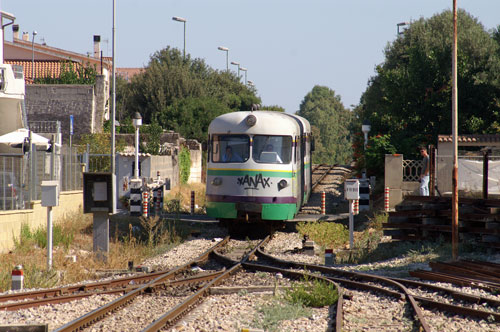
272, 149
230, 148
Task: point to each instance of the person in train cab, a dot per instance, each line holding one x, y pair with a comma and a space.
229, 156
270, 148
424, 175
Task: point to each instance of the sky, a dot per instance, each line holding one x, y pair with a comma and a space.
288, 46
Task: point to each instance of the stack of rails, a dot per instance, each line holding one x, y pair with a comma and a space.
418, 218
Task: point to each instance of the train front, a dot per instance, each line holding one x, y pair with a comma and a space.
252, 174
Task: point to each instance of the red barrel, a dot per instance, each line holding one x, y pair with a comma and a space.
323, 203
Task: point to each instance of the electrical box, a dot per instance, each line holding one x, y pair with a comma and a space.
351, 189
97, 192
50, 193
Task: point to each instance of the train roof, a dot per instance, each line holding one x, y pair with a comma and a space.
266, 122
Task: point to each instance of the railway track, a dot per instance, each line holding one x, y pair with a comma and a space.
177, 296
319, 172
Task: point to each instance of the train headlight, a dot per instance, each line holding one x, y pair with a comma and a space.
251, 120
216, 182
282, 184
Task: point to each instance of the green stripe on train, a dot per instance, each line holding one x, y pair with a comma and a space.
269, 211
250, 172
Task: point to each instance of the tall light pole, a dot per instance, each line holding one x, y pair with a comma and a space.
454, 132
33, 55
245, 70
236, 64
225, 49
137, 122
365, 128
183, 20
113, 114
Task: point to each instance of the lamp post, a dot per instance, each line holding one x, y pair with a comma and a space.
245, 70
33, 55
137, 122
401, 25
183, 20
225, 49
236, 64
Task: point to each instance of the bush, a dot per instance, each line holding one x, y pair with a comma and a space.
184, 164
315, 293
325, 234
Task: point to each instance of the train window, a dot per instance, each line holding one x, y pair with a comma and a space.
272, 149
230, 148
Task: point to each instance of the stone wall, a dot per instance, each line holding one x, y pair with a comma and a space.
56, 102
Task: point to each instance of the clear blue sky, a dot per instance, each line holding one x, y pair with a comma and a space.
288, 46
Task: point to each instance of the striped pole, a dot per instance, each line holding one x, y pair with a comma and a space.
192, 201
355, 206
145, 204
323, 203
386, 199
17, 278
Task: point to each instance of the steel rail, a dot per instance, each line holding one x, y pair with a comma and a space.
100, 312
356, 275
72, 297
318, 181
453, 279
173, 314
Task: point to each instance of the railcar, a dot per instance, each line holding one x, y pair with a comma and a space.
259, 166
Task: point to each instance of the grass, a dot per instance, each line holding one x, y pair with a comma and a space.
132, 239
295, 303
178, 200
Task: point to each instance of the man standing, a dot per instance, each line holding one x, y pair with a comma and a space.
424, 175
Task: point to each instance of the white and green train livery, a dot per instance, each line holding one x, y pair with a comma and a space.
259, 166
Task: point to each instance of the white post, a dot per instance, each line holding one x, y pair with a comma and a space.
136, 168
49, 237
351, 226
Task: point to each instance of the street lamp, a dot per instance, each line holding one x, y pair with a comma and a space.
137, 122
245, 70
183, 20
33, 55
365, 128
225, 49
401, 25
237, 64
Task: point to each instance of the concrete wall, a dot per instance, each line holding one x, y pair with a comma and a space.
11, 221
56, 102
444, 166
196, 161
394, 180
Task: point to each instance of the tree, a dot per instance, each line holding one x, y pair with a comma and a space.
330, 123
183, 94
71, 74
410, 96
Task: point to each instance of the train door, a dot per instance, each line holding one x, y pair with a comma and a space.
299, 171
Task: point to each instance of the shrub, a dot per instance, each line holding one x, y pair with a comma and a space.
312, 293
184, 164
325, 234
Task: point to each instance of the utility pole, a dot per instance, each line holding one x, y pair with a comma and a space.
454, 126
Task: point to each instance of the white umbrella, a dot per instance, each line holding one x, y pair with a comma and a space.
17, 137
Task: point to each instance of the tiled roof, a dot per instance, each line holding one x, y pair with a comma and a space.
43, 68
128, 73
471, 139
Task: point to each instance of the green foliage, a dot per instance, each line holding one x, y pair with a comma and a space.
410, 96
269, 316
84, 74
182, 94
275, 108
312, 293
325, 234
151, 134
330, 123
38, 237
184, 164
373, 158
